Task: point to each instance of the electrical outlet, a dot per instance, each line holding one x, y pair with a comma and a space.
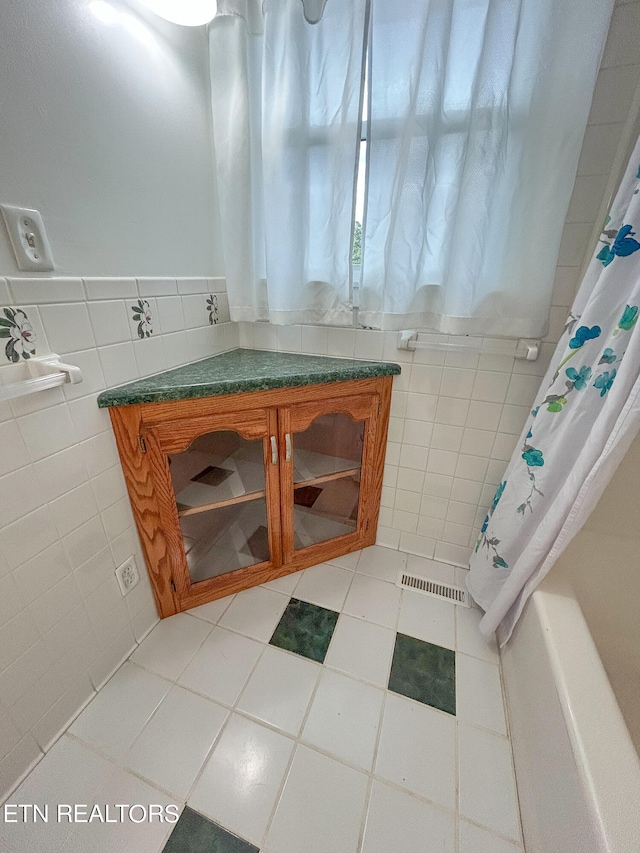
127, 575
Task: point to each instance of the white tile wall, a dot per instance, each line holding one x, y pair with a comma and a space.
451, 432
65, 519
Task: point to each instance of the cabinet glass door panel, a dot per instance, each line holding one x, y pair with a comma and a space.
216, 467
220, 488
327, 462
222, 540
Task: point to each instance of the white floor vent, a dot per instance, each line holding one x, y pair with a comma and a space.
456, 594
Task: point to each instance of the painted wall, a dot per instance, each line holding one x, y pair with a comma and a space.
106, 130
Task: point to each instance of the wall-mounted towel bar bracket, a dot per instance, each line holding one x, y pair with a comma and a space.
36, 374
523, 348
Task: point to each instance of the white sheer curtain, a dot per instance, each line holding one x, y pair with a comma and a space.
286, 79
476, 118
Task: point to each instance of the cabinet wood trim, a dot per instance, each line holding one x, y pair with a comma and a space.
161, 546
358, 407
273, 493
176, 435
159, 413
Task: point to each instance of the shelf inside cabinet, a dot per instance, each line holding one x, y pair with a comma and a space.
310, 466
326, 478
217, 470
192, 510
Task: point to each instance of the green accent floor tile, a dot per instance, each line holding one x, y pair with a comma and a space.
424, 672
194, 833
305, 629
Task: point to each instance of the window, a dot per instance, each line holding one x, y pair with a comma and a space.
476, 111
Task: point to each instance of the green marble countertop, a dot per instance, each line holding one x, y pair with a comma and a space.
242, 370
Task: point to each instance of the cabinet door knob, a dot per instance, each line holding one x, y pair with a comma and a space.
274, 450
287, 446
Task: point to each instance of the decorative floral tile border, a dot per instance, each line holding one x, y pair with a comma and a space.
20, 336
142, 318
212, 308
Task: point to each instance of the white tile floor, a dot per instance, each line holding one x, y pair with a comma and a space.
291, 755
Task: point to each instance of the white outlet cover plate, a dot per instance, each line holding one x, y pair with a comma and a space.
28, 238
127, 575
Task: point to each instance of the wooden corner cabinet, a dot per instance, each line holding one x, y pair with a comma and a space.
233, 490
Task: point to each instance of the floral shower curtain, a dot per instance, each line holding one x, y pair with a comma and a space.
585, 416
